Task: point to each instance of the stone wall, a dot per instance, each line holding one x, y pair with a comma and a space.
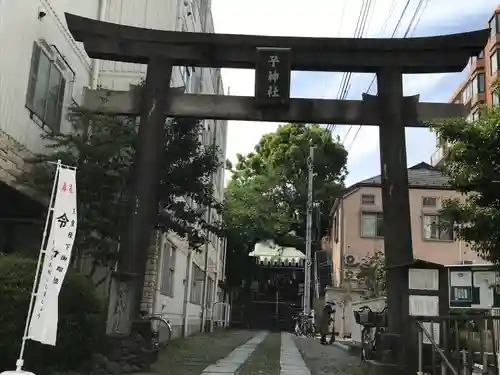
13, 165
148, 293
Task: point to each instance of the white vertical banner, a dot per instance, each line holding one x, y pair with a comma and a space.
44, 318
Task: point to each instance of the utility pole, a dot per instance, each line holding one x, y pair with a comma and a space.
204, 298
316, 275
307, 269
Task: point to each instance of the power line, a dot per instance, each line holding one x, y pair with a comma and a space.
415, 20
381, 34
361, 25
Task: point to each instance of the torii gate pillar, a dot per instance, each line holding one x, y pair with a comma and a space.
396, 211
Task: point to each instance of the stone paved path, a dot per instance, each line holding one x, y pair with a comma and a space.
327, 359
193, 355
239, 356
265, 360
242, 352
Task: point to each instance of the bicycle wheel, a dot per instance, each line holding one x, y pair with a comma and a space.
161, 332
366, 344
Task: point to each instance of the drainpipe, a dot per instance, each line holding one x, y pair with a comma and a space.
204, 299
96, 64
159, 262
342, 265
187, 293
216, 282
178, 17
342, 243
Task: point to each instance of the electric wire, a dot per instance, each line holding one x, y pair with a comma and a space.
381, 34
364, 19
415, 20
345, 86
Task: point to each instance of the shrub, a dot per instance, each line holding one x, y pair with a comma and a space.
80, 327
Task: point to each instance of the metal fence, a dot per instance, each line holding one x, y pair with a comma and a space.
221, 314
458, 344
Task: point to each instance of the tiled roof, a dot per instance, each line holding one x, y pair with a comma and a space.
420, 175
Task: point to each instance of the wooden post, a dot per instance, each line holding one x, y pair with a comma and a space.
143, 200
396, 206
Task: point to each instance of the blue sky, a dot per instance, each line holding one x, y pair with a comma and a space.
337, 18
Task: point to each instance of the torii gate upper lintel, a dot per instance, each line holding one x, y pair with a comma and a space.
438, 54
388, 58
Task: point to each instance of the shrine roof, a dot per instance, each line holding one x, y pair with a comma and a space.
270, 251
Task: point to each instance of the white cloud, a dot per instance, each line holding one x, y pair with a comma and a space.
324, 18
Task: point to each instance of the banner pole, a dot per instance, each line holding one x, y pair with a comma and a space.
20, 361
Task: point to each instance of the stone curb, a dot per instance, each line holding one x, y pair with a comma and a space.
341, 346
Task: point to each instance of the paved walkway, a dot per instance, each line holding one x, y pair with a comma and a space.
242, 352
328, 359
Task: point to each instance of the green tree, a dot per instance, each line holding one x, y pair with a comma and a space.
267, 196
473, 167
102, 148
372, 274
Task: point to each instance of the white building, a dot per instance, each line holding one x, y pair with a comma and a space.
42, 71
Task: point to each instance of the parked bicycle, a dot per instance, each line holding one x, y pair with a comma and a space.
374, 324
304, 325
161, 329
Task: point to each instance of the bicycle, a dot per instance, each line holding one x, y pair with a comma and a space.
304, 325
374, 324
157, 320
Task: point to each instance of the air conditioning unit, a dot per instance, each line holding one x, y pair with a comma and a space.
350, 260
349, 275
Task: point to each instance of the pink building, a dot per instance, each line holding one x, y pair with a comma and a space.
357, 225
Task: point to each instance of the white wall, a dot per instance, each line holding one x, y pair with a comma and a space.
19, 28
173, 306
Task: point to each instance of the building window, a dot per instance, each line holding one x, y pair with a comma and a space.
196, 285
187, 77
436, 229
495, 99
372, 224
429, 202
46, 87
168, 269
367, 199
494, 25
480, 83
467, 93
494, 63
336, 228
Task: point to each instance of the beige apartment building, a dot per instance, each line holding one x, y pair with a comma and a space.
357, 226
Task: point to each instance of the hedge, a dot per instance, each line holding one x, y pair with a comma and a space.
81, 320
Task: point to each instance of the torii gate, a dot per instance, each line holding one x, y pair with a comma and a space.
388, 58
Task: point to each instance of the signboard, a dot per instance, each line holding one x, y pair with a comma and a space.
44, 316
423, 279
272, 76
421, 305
474, 286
